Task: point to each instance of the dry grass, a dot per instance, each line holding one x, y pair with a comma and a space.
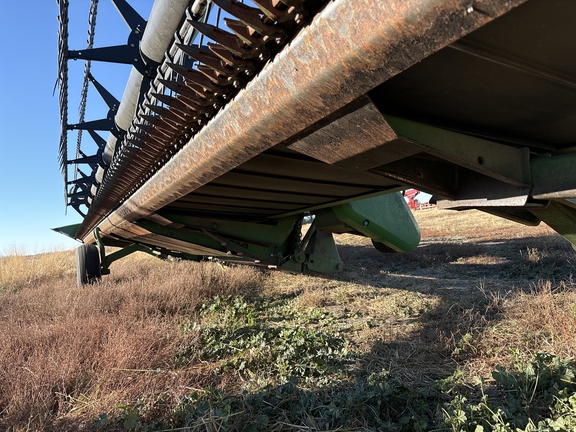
440, 307
67, 354
541, 318
18, 270
478, 292
472, 225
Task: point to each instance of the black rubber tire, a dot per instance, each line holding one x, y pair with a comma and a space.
88, 264
381, 247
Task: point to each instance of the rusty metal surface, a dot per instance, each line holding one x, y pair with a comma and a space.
423, 172
350, 47
181, 99
348, 137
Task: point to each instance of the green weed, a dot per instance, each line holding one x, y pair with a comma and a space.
538, 396
300, 373
275, 343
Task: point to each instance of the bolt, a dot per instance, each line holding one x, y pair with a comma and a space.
237, 83
249, 71
299, 18
366, 222
280, 38
264, 55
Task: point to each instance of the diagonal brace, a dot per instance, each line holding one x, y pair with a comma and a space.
502, 162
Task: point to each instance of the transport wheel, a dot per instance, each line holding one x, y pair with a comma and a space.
88, 264
381, 247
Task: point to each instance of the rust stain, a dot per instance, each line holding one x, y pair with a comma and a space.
350, 47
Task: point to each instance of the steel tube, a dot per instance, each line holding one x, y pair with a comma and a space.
129, 100
350, 47
164, 20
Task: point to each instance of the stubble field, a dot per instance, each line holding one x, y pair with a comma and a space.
472, 331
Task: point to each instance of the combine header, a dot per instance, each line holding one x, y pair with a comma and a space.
239, 119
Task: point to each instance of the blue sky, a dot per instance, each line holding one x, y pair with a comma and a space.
31, 186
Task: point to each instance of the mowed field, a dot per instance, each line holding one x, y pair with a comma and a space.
473, 331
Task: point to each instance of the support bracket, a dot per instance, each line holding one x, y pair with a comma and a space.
100, 142
89, 160
505, 163
106, 260
123, 54
106, 124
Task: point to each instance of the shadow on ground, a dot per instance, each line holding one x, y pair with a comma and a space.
434, 267
392, 384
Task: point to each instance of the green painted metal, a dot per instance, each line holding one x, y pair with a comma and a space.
68, 230
317, 208
502, 162
102, 251
246, 243
273, 245
106, 260
190, 236
322, 254
554, 176
560, 217
269, 234
121, 253
385, 219
515, 214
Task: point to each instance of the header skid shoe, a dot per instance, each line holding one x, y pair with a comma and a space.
386, 219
